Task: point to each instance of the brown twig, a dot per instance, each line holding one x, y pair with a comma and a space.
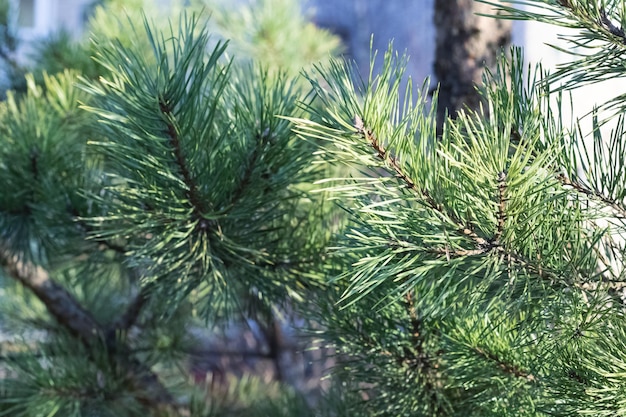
580, 188
612, 28
59, 302
384, 155
71, 315
502, 200
193, 194
420, 358
273, 336
130, 316
192, 188
506, 367
482, 245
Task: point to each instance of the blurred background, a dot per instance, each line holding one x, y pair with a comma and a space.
445, 39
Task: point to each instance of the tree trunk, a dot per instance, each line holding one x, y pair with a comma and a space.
466, 44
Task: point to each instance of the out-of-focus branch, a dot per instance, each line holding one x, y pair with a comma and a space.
70, 314
58, 301
129, 317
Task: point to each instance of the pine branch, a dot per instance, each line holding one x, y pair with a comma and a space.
506, 367
245, 181
192, 193
81, 324
130, 316
612, 28
58, 301
385, 156
501, 206
582, 189
420, 358
273, 336
482, 246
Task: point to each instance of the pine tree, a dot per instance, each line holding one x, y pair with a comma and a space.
474, 272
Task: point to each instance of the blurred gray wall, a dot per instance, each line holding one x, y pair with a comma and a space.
409, 23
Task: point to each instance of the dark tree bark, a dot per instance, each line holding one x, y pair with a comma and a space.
466, 44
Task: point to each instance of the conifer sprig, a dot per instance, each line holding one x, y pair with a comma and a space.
191, 198
477, 222
470, 189
594, 37
189, 136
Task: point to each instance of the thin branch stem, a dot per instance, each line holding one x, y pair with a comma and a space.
262, 139
620, 210
273, 337
502, 200
192, 187
130, 316
506, 367
482, 245
612, 28
384, 155
420, 357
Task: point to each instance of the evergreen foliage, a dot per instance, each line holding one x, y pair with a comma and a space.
474, 273
106, 330
272, 32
